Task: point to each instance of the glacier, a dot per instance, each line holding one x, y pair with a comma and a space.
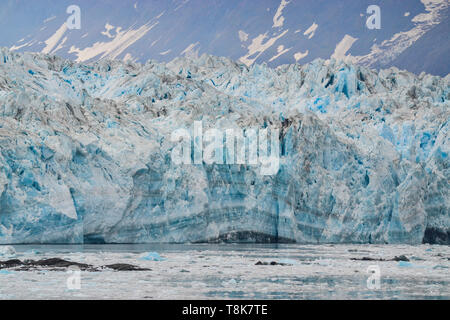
85, 152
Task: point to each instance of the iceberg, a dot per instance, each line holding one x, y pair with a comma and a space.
7, 251
85, 152
152, 256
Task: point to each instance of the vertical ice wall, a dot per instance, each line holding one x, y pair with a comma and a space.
85, 153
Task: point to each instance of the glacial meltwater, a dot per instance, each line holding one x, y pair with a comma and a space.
227, 271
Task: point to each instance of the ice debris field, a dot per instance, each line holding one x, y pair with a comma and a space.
229, 271
85, 152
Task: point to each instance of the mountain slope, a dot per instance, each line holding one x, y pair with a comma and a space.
273, 31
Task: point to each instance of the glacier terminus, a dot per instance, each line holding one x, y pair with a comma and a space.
85, 152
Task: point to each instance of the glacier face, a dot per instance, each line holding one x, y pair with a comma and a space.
85, 152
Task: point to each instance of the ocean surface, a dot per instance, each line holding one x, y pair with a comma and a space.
230, 271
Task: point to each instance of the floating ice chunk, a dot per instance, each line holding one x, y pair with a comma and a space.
32, 252
231, 282
7, 251
288, 261
152, 256
6, 272
405, 264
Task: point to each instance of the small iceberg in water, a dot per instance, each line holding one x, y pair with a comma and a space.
7, 251
152, 256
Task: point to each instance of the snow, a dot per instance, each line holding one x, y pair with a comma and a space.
280, 51
116, 46
85, 152
399, 39
278, 19
160, 15
7, 251
300, 55
258, 47
243, 36
190, 50
60, 45
155, 41
342, 47
391, 48
49, 19
165, 52
54, 39
108, 28
21, 46
311, 31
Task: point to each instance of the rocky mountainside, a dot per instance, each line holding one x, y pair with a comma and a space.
412, 35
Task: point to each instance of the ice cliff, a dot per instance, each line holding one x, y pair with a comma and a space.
85, 153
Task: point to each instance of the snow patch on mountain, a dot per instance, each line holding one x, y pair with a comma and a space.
389, 49
27, 44
255, 35
108, 28
49, 19
52, 42
342, 47
258, 47
278, 19
280, 51
112, 49
191, 50
243, 36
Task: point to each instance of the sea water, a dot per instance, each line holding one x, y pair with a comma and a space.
230, 271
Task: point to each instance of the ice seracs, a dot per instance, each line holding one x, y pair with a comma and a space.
85, 152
